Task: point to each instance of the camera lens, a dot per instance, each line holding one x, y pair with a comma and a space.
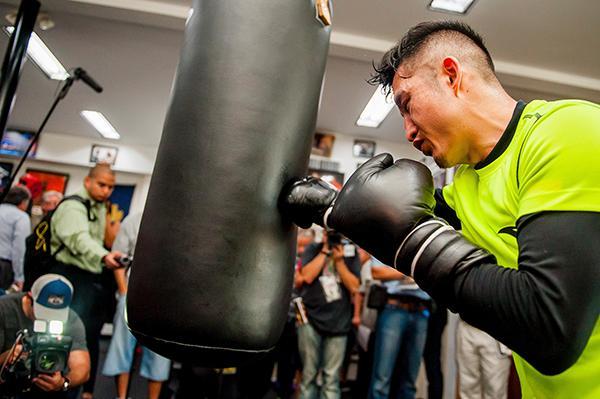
47, 361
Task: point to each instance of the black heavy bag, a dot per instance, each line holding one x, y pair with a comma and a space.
213, 266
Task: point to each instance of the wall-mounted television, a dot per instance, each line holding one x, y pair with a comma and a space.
15, 143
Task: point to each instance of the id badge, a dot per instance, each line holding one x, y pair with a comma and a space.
331, 288
349, 251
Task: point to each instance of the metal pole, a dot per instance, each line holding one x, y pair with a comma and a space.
63, 92
13, 59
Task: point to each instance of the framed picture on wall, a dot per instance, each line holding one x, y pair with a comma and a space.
103, 154
322, 144
5, 171
363, 148
122, 196
15, 143
47, 181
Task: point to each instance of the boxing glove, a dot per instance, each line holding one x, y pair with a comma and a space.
306, 201
381, 203
386, 207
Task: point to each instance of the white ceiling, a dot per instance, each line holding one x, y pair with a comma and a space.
542, 48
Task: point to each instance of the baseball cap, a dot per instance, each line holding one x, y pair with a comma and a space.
52, 294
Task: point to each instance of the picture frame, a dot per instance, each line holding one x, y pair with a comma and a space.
15, 142
363, 148
6, 169
322, 144
47, 181
122, 196
103, 154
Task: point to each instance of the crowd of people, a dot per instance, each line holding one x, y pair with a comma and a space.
344, 302
81, 278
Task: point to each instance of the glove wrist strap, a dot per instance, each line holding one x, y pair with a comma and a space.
442, 227
326, 215
424, 246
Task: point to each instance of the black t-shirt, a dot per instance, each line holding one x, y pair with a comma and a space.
333, 317
13, 320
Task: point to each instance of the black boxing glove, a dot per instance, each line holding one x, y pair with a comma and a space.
381, 203
386, 207
305, 201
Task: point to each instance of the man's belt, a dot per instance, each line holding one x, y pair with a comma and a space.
408, 303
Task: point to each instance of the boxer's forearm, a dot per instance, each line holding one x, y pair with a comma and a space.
546, 310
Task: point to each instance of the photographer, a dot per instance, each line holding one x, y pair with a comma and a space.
47, 303
330, 272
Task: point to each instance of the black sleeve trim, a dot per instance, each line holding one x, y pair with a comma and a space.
546, 310
443, 210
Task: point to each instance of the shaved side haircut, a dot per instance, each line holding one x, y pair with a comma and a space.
423, 42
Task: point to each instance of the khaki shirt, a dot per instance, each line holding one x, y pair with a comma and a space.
83, 239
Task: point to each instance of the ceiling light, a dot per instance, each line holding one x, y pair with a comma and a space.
43, 57
452, 6
377, 109
101, 124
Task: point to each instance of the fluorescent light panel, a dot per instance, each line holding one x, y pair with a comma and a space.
453, 6
43, 57
377, 109
101, 124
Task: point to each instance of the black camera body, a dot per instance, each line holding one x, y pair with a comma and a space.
125, 261
334, 238
49, 353
42, 353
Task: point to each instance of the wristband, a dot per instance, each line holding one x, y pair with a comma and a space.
66, 384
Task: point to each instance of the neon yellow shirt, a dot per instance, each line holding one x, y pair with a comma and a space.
551, 164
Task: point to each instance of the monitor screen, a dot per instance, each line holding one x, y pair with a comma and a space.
15, 143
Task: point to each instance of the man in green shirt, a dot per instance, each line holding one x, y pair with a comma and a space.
80, 234
526, 196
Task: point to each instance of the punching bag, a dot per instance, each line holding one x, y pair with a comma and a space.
213, 265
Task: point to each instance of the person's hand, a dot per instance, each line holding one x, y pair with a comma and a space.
356, 321
305, 201
377, 207
14, 356
49, 382
381, 203
298, 279
338, 252
111, 259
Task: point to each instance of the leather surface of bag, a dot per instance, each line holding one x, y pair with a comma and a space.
213, 264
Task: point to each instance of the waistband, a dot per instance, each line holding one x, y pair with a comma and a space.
412, 305
408, 298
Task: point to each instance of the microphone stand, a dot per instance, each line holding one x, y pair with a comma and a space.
61, 95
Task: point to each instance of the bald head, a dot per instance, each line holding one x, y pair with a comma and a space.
100, 168
100, 182
427, 43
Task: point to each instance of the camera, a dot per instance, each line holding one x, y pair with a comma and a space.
334, 238
44, 352
125, 260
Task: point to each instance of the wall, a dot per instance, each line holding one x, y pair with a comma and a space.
342, 152
71, 154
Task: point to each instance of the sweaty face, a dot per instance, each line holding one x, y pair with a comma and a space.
101, 186
423, 103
